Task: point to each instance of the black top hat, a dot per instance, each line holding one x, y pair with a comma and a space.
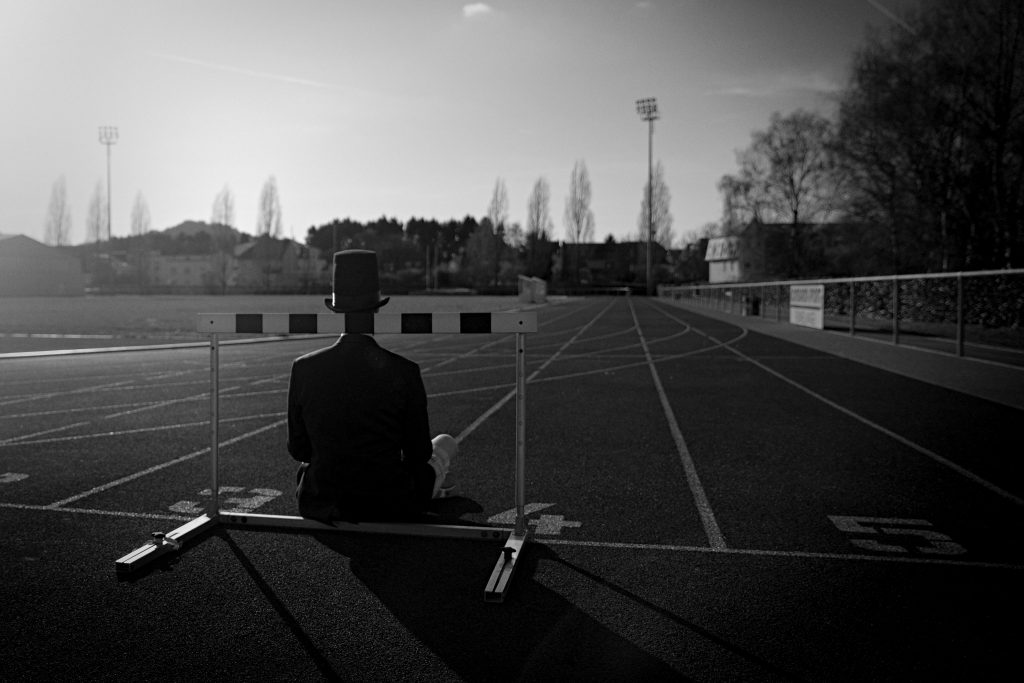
356, 284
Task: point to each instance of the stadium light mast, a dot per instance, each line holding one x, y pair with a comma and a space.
108, 136
648, 110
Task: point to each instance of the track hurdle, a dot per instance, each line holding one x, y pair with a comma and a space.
214, 324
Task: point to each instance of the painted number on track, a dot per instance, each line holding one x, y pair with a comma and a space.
234, 504
890, 535
547, 525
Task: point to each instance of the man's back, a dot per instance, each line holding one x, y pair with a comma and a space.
358, 414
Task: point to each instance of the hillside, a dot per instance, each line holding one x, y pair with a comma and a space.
192, 228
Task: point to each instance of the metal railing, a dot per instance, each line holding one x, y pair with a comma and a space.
988, 303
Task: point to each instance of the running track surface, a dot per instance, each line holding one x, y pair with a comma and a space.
708, 502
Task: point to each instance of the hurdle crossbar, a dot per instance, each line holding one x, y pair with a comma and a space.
214, 324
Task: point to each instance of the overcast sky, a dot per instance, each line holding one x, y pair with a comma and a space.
406, 108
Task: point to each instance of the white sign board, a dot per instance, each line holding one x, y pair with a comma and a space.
807, 305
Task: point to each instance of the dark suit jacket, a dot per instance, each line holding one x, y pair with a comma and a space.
357, 414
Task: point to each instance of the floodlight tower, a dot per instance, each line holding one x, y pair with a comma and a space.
108, 136
648, 110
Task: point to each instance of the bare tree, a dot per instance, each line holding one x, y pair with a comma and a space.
789, 173
661, 216
140, 215
96, 219
479, 253
538, 210
268, 218
497, 213
497, 210
223, 212
537, 240
58, 216
579, 219
932, 128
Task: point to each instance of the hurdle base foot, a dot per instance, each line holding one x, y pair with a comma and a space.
160, 546
501, 576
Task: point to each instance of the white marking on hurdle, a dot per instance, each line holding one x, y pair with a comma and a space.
517, 323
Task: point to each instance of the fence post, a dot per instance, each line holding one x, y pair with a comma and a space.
895, 310
960, 314
778, 303
853, 308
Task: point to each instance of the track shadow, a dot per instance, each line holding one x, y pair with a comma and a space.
319, 660
435, 588
757, 661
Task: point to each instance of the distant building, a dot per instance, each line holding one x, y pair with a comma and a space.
689, 262
266, 264
31, 268
761, 252
724, 259
186, 271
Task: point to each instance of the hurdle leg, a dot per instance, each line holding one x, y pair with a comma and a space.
162, 544
501, 576
214, 424
520, 484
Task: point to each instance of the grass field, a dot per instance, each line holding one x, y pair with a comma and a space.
173, 317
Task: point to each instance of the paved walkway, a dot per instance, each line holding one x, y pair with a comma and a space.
993, 381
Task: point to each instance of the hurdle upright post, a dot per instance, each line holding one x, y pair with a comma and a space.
214, 424
520, 433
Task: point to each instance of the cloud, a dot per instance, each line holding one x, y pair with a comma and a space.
476, 9
781, 84
245, 72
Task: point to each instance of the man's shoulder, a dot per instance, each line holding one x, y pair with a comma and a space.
312, 356
328, 354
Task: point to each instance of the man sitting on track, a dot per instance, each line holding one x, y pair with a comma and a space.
357, 418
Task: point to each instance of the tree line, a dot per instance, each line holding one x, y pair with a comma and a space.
923, 163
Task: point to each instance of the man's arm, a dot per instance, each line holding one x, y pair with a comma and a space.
299, 445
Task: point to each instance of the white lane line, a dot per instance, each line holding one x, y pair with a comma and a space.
113, 406
139, 430
68, 411
507, 397
466, 354
168, 402
62, 394
629, 366
478, 353
700, 499
24, 437
606, 545
863, 420
798, 554
93, 511
163, 465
